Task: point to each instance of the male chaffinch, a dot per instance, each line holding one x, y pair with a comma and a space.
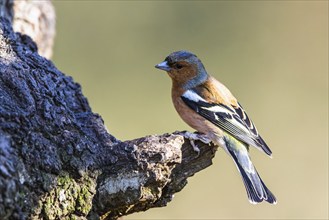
208, 106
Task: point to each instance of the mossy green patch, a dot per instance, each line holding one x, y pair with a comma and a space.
69, 196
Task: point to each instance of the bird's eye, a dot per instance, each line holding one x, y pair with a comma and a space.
178, 66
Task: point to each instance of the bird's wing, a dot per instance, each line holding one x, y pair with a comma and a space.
232, 119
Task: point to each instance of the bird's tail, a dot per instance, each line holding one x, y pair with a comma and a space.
255, 187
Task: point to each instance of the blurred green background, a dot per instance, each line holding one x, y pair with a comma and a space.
273, 55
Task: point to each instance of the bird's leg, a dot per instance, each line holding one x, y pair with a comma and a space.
195, 147
196, 137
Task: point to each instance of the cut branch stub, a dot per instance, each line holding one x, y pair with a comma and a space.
161, 167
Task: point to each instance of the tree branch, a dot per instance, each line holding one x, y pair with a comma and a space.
58, 161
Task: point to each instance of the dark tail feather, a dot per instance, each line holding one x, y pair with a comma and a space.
270, 196
255, 187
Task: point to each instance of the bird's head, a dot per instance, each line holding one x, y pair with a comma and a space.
184, 68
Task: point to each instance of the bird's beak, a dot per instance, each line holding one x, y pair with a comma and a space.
163, 66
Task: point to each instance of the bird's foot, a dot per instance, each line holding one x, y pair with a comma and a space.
195, 147
196, 137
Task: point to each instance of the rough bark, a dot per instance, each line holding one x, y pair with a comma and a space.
57, 160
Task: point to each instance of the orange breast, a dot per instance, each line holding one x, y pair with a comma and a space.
192, 118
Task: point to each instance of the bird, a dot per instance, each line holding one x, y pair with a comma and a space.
209, 107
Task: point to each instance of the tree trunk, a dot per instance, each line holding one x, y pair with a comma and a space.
57, 160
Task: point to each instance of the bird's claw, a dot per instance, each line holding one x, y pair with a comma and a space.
195, 147
196, 137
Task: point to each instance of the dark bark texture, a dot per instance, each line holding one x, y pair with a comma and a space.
57, 160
